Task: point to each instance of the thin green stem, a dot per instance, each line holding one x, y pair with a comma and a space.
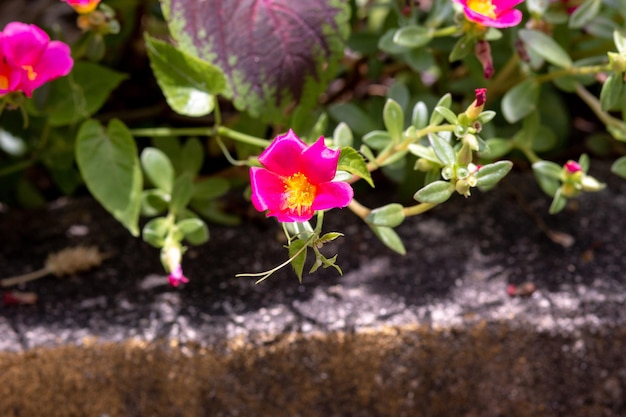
227, 154
20, 166
589, 70
596, 107
444, 32
503, 77
173, 131
359, 209
418, 209
530, 154
201, 131
242, 137
266, 274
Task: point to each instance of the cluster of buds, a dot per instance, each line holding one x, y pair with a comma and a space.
94, 16
455, 162
575, 180
565, 182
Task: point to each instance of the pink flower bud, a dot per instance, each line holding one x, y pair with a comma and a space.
572, 167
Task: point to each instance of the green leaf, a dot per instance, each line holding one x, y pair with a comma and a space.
158, 169
210, 188
442, 149
195, 230
154, 202
619, 167
192, 156
351, 161
558, 202
419, 116
488, 175
611, 92
435, 193
188, 83
181, 193
447, 114
412, 36
390, 215
377, 139
444, 102
462, 48
548, 168
393, 117
108, 162
548, 176
389, 238
424, 152
274, 54
520, 100
497, 148
342, 136
75, 97
546, 47
620, 42
328, 237
298, 251
358, 120
387, 44
584, 161
155, 231
584, 13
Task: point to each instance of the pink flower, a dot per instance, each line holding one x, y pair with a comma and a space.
296, 179
83, 6
28, 59
494, 13
572, 167
176, 277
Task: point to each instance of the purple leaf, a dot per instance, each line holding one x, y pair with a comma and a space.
276, 54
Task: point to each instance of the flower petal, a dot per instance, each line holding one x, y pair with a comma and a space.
283, 155
319, 163
54, 62
507, 19
292, 215
23, 44
268, 190
333, 194
503, 5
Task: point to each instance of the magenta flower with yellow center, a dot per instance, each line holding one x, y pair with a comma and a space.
83, 6
493, 13
297, 179
28, 59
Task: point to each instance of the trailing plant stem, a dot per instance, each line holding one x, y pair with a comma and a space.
418, 209
202, 131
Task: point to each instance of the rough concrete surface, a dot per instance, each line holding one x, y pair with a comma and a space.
432, 333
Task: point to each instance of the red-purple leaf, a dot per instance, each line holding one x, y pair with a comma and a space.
276, 54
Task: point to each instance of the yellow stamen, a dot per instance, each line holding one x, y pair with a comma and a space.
29, 70
300, 193
4, 82
484, 7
